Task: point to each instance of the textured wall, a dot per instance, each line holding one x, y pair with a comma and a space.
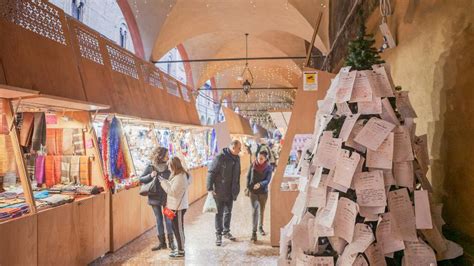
434, 60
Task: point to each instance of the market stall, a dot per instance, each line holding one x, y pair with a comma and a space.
56, 149
126, 146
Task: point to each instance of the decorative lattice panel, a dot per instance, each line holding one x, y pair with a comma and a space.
89, 45
184, 92
172, 86
122, 62
37, 16
152, 76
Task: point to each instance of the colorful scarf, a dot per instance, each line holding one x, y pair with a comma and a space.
65, 170
78, 141
67, 145
39, 169
57, 169
49, 171
259, 167
39, 132
75, 166
30, 165
105, 151
116, 157
84, 176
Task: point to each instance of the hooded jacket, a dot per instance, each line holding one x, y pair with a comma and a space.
224, 176
158, 199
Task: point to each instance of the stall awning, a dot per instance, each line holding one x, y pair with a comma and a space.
10, 92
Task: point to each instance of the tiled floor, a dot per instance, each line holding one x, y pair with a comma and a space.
200, 242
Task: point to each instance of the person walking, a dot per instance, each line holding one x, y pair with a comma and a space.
177, 189
258, 178
159, 167
223, 180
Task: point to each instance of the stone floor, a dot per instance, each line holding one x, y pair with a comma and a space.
200, 242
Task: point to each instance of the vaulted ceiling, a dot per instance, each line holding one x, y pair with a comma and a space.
216, 28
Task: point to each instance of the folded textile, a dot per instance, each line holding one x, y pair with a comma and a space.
88, 190
58, 199
65, 170
78, 141
75, 166
39, 169
84, 175
26, 129
39, 132
67, 145
41, 194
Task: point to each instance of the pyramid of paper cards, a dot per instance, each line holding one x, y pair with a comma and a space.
364, 197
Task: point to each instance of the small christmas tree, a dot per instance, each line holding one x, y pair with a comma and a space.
362, 53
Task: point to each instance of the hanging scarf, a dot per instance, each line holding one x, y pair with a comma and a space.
116, 159
105, 153
259, 167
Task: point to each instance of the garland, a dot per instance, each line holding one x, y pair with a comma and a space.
116, 159
104, 153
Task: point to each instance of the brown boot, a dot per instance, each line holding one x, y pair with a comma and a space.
162, 244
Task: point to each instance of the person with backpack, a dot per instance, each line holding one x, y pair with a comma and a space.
258, 179
157, 201
177, 189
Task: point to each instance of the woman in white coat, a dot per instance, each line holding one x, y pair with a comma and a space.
176, 187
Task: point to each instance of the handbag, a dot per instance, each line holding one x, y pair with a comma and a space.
169, 213
145, 188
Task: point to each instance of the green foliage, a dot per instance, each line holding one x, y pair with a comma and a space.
361, 53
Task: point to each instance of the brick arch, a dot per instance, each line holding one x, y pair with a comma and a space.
187, 65
132, 27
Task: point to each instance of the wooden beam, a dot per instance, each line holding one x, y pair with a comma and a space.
20, 162
313, 39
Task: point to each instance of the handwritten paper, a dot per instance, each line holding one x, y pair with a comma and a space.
372, 107
337, 243
421, 152
387, 112
304, 260
344, 86
330, 182
385, 237
316, 179
404, 106
346, 129
374, 133
403, 173
321, 230
362, 239
382, 157
383, 87
299, 206
345, 167
326, 217
359, 125
403, 217
422, 210
362, 90
402, 151
418, 253
370, 189
375, 255
345, 219
360, 261
317, 197
327, 148
343, 109
388, 178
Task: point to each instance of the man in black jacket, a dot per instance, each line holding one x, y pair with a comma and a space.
223, 180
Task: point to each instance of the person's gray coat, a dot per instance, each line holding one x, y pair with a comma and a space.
224, 176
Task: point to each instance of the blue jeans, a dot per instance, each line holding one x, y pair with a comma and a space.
159, 221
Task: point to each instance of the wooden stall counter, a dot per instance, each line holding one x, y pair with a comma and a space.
19, 241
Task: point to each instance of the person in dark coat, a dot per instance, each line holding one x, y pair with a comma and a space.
258, 179
159, 167
223, 181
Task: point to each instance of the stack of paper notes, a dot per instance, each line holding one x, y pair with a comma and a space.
365, 198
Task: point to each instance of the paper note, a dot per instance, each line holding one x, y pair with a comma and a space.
299, 206
338, 244
402, 150
387, 112
362, 90
343, 109
326, 217
344, 86
453, 251
321, 230
375, 255
421, 177
385, 237
330, 182
372, 107
300, 237
359, 125
403, 217
422, 210
371, 213
346, 129
327, 148
435, 239
403, 105
345, 219
374, 133
382, 157
403, 174
362, 238
370, 189
382, 86
316, 179
421, 152
360, 261
345, 167
317, 197
388, 178
419, 253
304, 260
326, 106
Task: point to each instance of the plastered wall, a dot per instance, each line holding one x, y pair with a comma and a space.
434, 60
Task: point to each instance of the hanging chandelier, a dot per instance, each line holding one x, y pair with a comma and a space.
247, 84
